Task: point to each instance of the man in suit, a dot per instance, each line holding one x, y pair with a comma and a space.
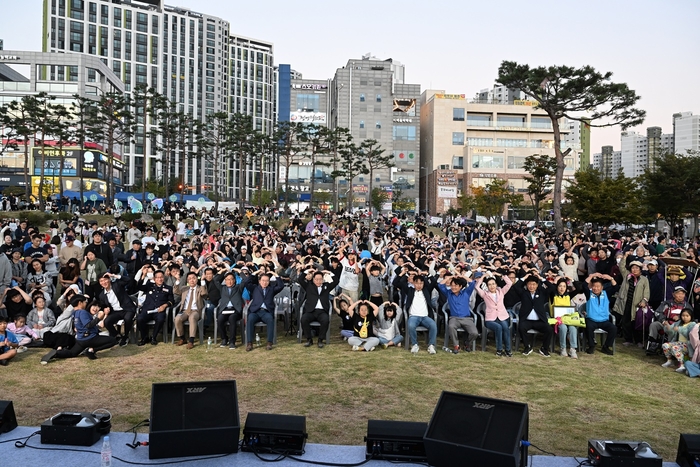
417, 297
230, 310
262, 305
317, 304
534, 299
158, 297
117, 305
193, 304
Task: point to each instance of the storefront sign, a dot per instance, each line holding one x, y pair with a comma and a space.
9, 57
450, 96
308, 117
446, 177
312, 87
448, 192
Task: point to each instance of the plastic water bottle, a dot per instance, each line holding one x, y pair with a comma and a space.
209, 344
106, 454
257, 339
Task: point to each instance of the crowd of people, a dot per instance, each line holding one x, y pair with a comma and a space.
78, 288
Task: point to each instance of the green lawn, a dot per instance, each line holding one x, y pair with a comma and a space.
627, 396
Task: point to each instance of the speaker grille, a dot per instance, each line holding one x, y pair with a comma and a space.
198, 405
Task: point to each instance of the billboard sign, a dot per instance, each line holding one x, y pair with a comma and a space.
318, 118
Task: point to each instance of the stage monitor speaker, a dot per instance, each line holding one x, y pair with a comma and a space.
266, 432
476, 431
194, 419
8, 421
688, 450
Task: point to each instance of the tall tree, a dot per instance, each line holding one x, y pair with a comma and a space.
314, 141
84, 112
352, 164
289, 148
8, 134
64, 133
337, 139
376, 160
22, 126
243, 144
217, 143
114, 125
164, 131
542, 169
44, 126
563, 91
491, 200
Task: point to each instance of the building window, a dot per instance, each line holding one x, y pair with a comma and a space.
362, 97
362, 123
480, 141
511, 143
378, 125
511, 120
487, 161
458, 114
309, 102
478, 119
458, 138
404, 133
458, 162
542, 122
379, 97
117, 17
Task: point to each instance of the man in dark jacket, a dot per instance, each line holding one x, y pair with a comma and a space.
158, 298
134, 258
534, 299
317, 305
117, 305
262, 305
417, 296
230, 310
101, 249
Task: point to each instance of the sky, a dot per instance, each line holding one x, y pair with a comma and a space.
457, 46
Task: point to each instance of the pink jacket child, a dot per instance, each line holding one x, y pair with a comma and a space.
24, 333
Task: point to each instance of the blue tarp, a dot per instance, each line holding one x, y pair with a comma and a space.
124, 196
88, 193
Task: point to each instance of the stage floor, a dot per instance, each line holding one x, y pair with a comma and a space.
59, 456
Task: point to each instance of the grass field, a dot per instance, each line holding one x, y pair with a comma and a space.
626, 396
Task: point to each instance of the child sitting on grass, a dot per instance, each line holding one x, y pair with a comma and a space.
8, 343
386, 327
24, 334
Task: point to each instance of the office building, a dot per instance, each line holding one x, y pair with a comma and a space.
61, 76
371, 99
467, 144
686, 132
192, 58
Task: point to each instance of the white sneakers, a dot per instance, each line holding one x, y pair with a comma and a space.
563, 352
680, 369
355, 348
572, 353
431, 349
668, 364
415, 348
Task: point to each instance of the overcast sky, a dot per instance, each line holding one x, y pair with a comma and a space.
457, 46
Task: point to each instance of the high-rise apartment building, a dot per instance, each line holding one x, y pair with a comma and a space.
686, 132
467, 144
634, 153
187, 56
578, 139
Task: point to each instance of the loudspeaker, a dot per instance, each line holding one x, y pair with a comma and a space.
688, 450
194, 419
395, 441
8, 421
476, 431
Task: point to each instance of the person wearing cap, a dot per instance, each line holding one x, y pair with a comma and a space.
534, 312
69, 251
598, 312
244, 255
134, 258
666, 315
656, 283
101, 249
158, 298
676, 276
633, 290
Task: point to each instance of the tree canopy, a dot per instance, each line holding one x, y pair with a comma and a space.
564, 91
